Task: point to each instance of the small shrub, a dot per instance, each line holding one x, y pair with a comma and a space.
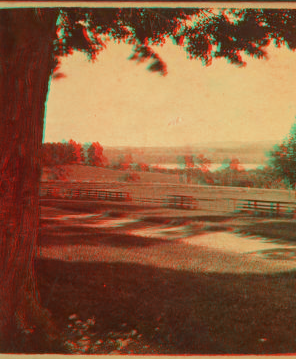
130, 177
80, 338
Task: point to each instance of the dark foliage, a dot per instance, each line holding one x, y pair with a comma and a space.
204, 33
95, 155
283, 158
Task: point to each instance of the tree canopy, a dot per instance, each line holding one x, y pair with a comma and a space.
205, 34
283, 158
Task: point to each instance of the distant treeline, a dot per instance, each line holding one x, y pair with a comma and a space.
246, 153
71, 152
257, 178
196, 170
190, 170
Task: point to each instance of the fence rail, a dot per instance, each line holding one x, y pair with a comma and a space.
177, 201
152, 196
80, 193
272, 207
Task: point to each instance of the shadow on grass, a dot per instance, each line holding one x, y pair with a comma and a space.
50, 222
117, 236
95, 231
189, 313
278, 253
217, 228
82, 206
89, 236
277, 231
79, 231
187, 219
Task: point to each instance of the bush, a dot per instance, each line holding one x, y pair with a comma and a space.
80, 338
130, 177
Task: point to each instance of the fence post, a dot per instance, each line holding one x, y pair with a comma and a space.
271, 208
250, 207
277, 208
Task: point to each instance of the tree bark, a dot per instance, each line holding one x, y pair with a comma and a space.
26, 50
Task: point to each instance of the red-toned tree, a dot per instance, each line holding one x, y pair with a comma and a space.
189, 167
126, 162
95, 155
61, 153
203, 163
47, 155
76, 153
235, 165
144, 167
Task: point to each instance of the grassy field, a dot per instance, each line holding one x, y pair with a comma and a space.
161, 184
104, 260
90, 173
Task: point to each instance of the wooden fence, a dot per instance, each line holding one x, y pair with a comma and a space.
165, 198
87, 191
82, 193
254, 206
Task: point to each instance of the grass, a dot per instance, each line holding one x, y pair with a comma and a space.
279, 230
181, 299
92, 173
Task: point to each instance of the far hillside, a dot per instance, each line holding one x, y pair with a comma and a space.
246, 152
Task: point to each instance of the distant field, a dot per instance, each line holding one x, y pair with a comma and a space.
159, 186
89, 173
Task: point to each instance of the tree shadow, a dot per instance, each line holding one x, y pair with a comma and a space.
274, 231
87, 236
182, 308
82, 206
278, 254
218, 228
187, 219
191, 313
50, 222
97, 230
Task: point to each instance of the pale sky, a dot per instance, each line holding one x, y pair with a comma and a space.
118, 102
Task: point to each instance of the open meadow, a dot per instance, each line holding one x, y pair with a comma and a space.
167, 281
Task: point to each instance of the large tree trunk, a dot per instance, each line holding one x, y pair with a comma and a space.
26, 43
